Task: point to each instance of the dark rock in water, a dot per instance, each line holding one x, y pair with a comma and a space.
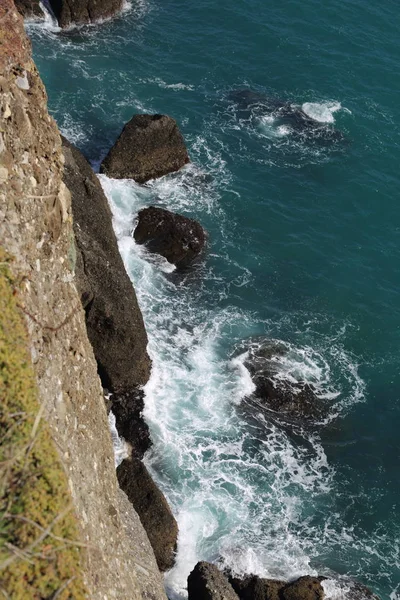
296, 400
206, 582
127, 408
257, 588
113, 318
177, 238
304, 588
250, 103
79, 12
148, 147
29, 8
152, 508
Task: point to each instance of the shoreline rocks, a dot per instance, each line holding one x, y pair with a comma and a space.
179, 239
154, 512
113, 319
207, 582
71, 12
148, 147
294, 400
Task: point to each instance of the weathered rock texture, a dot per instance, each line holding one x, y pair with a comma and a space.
150, 504
257, 588
84, 11
29, 8
206, 582
293, 400
304, 588
149, 146
113, 318
177, 238
36, 229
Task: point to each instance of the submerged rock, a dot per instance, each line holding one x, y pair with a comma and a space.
79, 12
177, 238
276, 391
152, 508
206, 582
148, 147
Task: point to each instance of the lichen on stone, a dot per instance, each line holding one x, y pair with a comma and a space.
40, 552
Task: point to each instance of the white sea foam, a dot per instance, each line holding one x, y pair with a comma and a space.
323, 112
121, 447
238, 490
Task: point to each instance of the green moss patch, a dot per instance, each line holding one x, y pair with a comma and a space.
40, 556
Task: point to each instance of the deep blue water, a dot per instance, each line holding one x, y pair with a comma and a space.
303, 247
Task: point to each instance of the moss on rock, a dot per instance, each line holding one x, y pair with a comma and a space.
40, 555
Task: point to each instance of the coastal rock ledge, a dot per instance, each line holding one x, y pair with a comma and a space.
68, 12
148, 147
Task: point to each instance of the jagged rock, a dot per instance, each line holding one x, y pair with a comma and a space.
113, 318
127, 408
206, 582
359, 591
152, 508
68, 12
29, 8
295, 400
177, 238
257, 588
304, 588
149, 146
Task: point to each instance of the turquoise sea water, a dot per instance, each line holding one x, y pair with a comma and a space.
304, 241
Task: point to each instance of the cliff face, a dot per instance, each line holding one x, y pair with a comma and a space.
36, 230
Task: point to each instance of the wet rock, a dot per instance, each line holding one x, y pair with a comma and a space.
257, 588
206, 582
29, 8
293, 399
177, 238
152, 508
127, 408
68, 12
113, 319
304, 588
148, 147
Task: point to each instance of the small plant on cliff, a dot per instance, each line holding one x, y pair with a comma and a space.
39, 555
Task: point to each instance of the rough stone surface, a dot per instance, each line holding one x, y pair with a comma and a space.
29, 8
127, 408
113, 318
149, 146
150, 504
36, 228
206, 582
295, 400
304, 588
257, 588
179, 239
68, 12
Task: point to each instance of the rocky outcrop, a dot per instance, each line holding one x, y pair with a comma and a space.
113, 318
69, 12
148, 147
150, 504
206, 582
304, 588
29, 8
257, 588
36, 230
179, 239
289, 399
